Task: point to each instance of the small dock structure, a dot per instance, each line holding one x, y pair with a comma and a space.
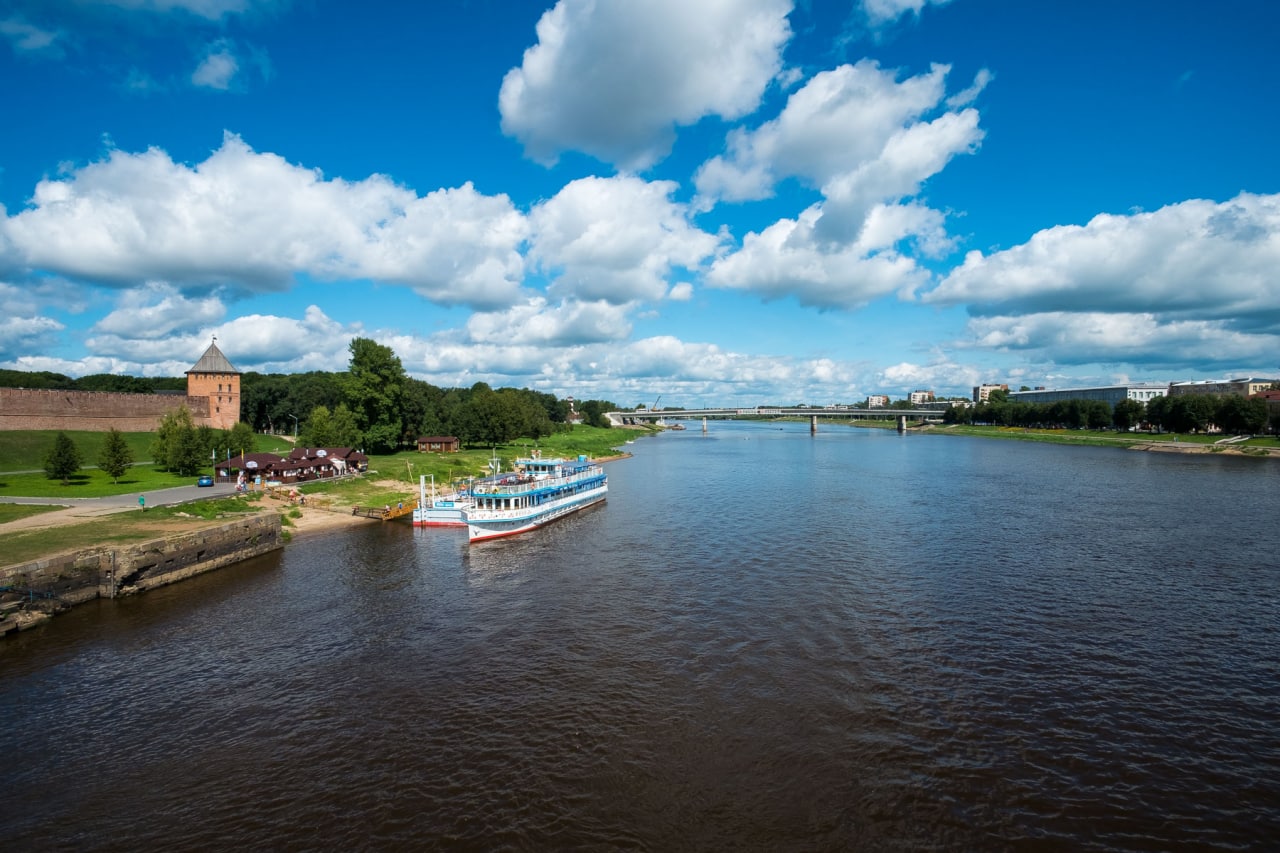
385, 513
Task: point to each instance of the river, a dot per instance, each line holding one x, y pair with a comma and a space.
764, 640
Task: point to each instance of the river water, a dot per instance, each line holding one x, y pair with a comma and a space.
764, 640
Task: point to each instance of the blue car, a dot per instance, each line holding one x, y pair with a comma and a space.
205, 480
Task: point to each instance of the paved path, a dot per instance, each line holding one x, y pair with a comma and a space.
78, 509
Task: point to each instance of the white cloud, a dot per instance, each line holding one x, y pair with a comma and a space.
866, 141
260, 342
158, 310
24, 334
1094, 337
615, 239
1193, 260
786, 259
898, 380
883, 12
217, 69
536, 322
832, 126
613, 80
253, 221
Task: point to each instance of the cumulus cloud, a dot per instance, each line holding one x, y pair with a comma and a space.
613, 80
855, 131
788, 259
24, 334
537, 322
158, 310
253, 221
1139, 339
615, 239
867, 142
1195, 259
260, 342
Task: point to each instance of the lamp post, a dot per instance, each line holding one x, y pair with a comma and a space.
295, 427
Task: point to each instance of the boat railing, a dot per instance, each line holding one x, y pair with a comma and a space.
523, 487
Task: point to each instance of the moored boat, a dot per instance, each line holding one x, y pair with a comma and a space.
439, 510
537, 492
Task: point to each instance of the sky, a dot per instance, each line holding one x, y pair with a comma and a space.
710, 203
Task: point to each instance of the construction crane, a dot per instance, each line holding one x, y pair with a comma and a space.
654, 407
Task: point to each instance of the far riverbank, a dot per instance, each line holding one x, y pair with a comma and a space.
1256, 447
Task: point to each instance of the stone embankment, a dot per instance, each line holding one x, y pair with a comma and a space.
37, 589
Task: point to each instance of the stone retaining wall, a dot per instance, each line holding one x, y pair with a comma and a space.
67, 579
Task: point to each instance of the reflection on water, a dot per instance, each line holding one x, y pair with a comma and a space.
764, 640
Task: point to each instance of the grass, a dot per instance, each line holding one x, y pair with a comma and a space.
14, 512
392, 478
120, 528
1101, 438
25, 450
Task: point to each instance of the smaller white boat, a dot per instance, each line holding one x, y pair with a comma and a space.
439, 510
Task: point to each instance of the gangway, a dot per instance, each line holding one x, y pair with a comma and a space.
385, 513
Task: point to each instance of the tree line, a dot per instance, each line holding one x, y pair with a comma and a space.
1184, 413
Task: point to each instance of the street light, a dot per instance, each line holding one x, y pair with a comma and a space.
295, 427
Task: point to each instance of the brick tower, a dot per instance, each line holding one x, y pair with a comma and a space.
215, 378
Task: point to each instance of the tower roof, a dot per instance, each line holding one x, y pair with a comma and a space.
213, 361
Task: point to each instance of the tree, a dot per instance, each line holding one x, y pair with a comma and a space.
1191, 412
178, 446
116, 456
63, 459
1240, 415
1128, 413
375, 391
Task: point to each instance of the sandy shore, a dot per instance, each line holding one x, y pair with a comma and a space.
315, 520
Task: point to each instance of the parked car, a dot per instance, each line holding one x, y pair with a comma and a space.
205, 480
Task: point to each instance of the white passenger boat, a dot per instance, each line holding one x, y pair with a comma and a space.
537, 492
439, 510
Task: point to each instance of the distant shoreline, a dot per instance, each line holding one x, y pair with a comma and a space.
1172, 445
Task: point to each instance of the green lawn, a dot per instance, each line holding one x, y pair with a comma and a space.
25, 451
1106, 438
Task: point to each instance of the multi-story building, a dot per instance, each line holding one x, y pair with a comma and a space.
981, 393
877, 401
919, 398
1221, 387
1112, 394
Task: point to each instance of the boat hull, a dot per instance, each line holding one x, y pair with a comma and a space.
482, 526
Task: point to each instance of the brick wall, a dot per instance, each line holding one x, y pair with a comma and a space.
96, 411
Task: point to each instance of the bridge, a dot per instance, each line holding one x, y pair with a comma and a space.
643, 416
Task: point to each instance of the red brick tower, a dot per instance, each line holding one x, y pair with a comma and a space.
215, 378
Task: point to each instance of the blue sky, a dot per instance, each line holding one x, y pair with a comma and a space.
725, 202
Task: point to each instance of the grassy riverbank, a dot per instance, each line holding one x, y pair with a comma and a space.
1256, 446
31, 532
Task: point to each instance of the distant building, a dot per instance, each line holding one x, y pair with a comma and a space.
1111, 394
981, 393
439, 444
877, 401
919, 398
1222, 387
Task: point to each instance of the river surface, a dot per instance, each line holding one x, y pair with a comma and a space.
764, 640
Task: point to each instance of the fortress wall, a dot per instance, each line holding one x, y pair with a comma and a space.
95, 411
